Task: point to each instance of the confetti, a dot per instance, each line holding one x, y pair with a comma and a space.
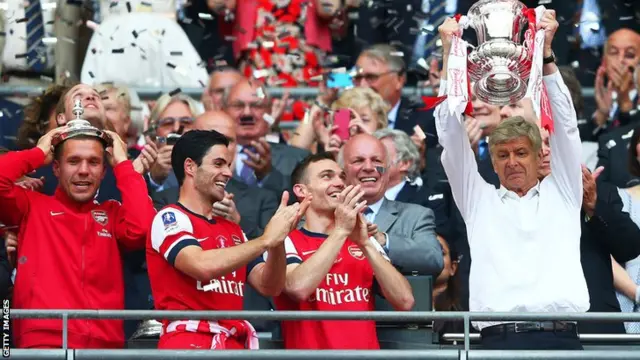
272, 138
205, 16
233, 38
22, 20
422, 63
117, 51
268, 44
260, 93
397, 53
175, 53
92, 25
22, 56
201, 83
261, 73
269, 119
175, 92
171, 65
128, 6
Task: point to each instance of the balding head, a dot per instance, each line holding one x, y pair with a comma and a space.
220, 82
622, 50
365, 161
221, 122
247, 103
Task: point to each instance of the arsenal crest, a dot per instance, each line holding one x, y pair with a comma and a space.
222, 242
236, 239
356, 252
100, 216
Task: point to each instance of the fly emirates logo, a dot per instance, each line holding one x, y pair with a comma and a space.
223, 286
343, 296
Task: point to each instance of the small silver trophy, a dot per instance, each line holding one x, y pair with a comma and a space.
81, 127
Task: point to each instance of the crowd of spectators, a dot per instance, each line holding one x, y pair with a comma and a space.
102, 51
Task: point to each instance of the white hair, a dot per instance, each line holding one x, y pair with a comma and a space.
406, 150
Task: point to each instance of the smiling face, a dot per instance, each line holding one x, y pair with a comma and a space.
365, 163
91, 104
80, 168
212, 176
324, 180
516, 164
622, 50
247, 109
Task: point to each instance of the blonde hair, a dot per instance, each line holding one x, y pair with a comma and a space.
513, 128
121, 91
165, 100
361, 98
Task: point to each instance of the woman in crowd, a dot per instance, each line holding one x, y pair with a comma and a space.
368, 114
627, 277
39, 117
446, 290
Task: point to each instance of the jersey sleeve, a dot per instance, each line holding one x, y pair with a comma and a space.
290, 251
171, 231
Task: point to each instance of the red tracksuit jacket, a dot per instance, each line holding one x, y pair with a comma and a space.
69, 254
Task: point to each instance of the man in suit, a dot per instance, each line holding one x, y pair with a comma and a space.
259, 162
250, 207
406, 231
606, 231
613, 155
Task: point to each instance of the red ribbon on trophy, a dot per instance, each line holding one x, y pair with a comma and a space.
457, 72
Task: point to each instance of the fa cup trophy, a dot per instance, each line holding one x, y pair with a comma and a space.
81, 128
500, 64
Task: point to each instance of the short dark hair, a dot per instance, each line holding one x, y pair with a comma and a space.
632, 161
575, 89
57, 150
298, 176
36, 116
194, 145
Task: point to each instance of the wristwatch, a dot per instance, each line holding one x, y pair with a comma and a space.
550, 59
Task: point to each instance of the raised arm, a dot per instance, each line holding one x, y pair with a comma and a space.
136, 211
566, 149
14, 202
458, 159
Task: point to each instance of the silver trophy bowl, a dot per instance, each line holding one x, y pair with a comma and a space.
500, 64
81, 127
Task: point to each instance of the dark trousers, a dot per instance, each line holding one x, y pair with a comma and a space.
541, 340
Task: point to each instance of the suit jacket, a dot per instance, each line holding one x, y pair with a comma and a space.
436, 197
610, 232
413, 246
408, 117
256, 206
284, 159
613, 155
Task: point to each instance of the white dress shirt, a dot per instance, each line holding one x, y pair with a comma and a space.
525, 250
16, 33
392, 192
371, 217
144, 50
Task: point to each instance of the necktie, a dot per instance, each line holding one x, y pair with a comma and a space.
368, 214
36, 52
426, 40
590, 29
246, 173
483, 149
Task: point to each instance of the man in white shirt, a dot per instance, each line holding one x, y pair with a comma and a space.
525, 236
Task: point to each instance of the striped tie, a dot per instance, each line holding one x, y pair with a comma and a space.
425, 44
36, 57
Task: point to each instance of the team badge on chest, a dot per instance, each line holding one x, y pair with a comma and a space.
222, 242
356, 252
100, 216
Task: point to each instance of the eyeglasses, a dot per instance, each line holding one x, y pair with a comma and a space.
170, 121
254, 106
371, 77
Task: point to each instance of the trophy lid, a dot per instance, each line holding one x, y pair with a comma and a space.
81, 127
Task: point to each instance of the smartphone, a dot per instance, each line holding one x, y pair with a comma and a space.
170, 139
341, 119
339, 80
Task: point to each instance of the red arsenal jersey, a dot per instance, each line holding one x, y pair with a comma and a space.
174, 228
348, 286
